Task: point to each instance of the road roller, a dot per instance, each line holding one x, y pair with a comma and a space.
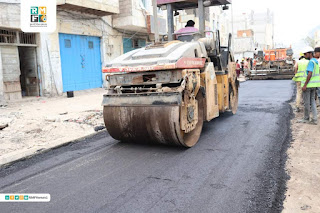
164, 92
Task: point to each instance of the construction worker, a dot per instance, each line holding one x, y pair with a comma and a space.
317, 56
299, 69
246, 66
238, 68
309, 84
242, 66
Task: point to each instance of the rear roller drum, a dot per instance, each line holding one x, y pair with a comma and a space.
151, 124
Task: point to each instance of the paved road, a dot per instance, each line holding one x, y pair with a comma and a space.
237, 166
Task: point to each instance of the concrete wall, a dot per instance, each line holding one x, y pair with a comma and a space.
11, 8
79, 24
111, 6
11, 72
243, 45
132, 16
10, 14
48, 50
10, 63
2, 101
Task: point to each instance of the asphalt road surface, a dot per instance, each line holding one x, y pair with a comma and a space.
237, 166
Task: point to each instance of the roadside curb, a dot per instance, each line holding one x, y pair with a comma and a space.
11, 158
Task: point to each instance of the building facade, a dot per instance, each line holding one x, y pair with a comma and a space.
88, 35
71, 58
260, 22
244, 46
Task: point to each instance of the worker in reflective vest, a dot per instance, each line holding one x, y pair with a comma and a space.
299, 69
309, 84
317, 56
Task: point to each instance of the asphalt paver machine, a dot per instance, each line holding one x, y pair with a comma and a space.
273, 64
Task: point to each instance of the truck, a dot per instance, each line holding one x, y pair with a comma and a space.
164, 92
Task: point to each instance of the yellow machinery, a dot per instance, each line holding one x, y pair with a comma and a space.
164, 92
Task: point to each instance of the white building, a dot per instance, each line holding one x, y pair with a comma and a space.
220, 20
88, 35
262, 24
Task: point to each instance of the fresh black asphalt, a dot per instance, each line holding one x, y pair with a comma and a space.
237, 166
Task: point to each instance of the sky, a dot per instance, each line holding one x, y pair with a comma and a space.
293, 19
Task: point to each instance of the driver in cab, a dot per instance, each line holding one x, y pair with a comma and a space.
189, 28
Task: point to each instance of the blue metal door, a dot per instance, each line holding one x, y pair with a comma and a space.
80, 62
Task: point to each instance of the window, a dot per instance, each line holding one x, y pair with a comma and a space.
16, 37
143, 3
90, 44
27, 38
67, 43
135, 43
138, 43
8, 36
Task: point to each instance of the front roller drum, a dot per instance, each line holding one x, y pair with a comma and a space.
151, 124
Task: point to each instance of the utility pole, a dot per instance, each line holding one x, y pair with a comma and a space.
155, 21
170, 21
233, 34
201, 17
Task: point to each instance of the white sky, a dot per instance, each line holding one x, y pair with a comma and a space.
293, 19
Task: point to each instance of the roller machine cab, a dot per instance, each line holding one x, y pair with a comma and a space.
164, 92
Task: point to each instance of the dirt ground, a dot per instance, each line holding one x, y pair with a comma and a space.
303, 194
39, 122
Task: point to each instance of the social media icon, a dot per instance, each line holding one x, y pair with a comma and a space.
26, 197
7, 197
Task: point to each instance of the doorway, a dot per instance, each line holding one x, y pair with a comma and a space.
29, 76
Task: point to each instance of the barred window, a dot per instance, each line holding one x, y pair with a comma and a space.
16, 37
